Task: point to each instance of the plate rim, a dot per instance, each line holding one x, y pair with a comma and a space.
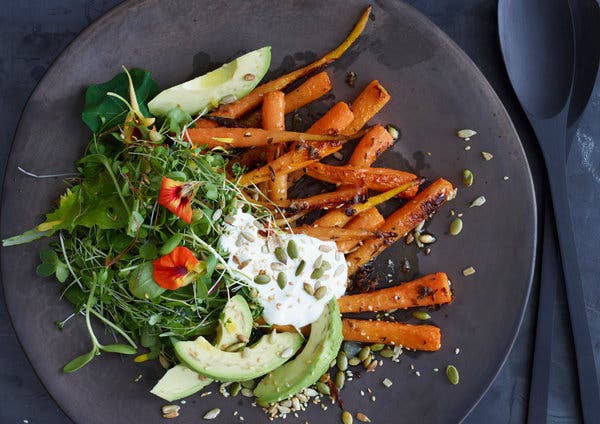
124, 5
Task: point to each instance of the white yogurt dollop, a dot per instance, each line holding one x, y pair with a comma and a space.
252, 253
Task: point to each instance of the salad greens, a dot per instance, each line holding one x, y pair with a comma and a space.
111, 227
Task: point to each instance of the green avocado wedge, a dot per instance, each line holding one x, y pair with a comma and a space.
235, 323
179, 382
314, 360
270, 352
233, 80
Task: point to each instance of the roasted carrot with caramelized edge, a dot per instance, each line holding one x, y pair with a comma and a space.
309, 91
433, 289
417, 337
339, 234
370, 101
402, 221
374, 143
273, 117
378, 179
230, 138
334, 121
249, 102
332, 199
371, 220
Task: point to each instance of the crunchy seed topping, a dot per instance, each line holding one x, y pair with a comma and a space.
468, 271
387, 382
170, 411
487, 156
363, 418
212, 414
477, 202
338, 156
466, 133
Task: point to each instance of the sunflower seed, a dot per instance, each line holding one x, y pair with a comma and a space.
248, 236
477, 202
281, 255
310, 392
229, 219
468, 271
169, 409
393, 132
262, 279
300, 267
466, 133
218, 213
487, 156
242, 338
247, 392
467, 177
456, 226
277, 266
244, 264
212, 414
338, 156
452, 374
321, 293
292, 249
387, 382
426, 238
339, 270
318, 262
325, 248
363, 418
296, 404
309, 289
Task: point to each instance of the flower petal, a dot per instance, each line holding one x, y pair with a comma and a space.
177, 197
176, 269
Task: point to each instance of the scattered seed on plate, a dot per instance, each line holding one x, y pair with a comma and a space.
363, 418
467, 177
338, 156
468, 271
466, 133
347, 417
457, 351
477, 202
422, 315
426, 238
212, 414
292, 249
387, 382
456, 226
452, 374
506, 178
393, 132
467, 147
487, 155
170, 411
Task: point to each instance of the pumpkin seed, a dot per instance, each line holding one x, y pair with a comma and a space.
292, 249
421, 315
354, 361
477, 202
280, 255
338, 156
377, 347
393, 132
300, 268
308, 288
169, 409
281, 280
467, 177
347, 417
249, 384
235, 388
456, 226
323, 388
318, 262
212, 414
342, 361
317, 273
452, 374
387, 353
262, 279
362, 417
326, 266
364, 353
246, 392
321, 292
466, 133
339, 379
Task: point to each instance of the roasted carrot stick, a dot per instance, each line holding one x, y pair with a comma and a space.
366, 105
370, 220
375, 142
429, 290
341, 217
417, 337
249, 102
334, 121
309, 91
378, 179
273, 117
230, 138
337, 233
332, 199
402, 221
297, 158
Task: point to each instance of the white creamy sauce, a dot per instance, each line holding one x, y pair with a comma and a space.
252, 254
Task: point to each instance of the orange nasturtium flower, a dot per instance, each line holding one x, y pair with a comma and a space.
177, 197
177, 269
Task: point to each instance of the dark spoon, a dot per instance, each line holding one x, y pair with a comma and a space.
537, 40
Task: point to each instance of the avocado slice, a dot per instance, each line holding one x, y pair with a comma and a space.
270, 352
322, 348
180, 381
236, 78
235, 323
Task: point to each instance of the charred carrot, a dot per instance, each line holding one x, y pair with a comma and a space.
273, 117
417, 337
309, 91
371, 220
370, 101
334, 121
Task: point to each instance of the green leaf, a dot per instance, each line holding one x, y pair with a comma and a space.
101, 111
49, 256
176, 119
142, 284
171, 244
26, 237
62, 272
45, 269
119, 348
211, 263
135, 222
80, 361
76, 296
148, 251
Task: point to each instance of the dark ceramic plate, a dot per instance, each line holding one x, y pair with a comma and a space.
436, 90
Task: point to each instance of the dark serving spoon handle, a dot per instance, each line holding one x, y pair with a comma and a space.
551, 134
550, 277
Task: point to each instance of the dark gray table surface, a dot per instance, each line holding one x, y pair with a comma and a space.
34, 32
